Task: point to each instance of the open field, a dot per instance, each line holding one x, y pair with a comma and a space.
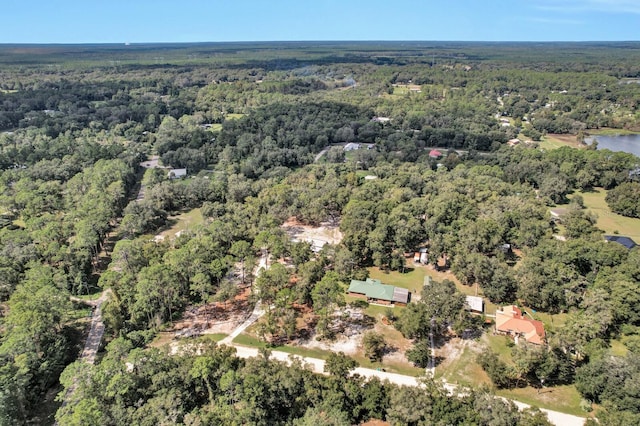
233, 116
553, 141
609, 221
181, 223
565, 399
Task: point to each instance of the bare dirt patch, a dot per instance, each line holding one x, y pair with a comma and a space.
349, 324
318, 236
213, 318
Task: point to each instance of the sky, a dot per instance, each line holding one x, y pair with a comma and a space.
141, 21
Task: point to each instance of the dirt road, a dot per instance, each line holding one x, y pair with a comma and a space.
255, 315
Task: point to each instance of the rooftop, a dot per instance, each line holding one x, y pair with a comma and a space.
374, 289
509, 319
625, 241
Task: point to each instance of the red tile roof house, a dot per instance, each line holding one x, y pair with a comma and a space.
509, 320
434, 153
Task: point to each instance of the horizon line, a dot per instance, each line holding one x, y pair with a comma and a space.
142, 43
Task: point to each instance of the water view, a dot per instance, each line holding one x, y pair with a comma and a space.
625, 143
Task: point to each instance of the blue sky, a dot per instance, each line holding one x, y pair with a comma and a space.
136, 21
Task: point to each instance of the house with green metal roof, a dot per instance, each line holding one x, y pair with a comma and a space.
376, 292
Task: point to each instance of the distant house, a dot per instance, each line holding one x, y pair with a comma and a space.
381, 119
509, 320
513, 142
557, 214
475, 303
625, 241
376, 292
352, 146
177, 173
435, 154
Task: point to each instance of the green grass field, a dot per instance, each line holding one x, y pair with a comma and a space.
183, 222
233, 116
248, 340
565, 399
549, 143
611, 132
609, 221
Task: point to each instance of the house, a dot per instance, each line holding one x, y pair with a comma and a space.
475, 303
435, 154
376, 292
557, 214
177, 173
513, 142
509, 320
625, 241
352, 146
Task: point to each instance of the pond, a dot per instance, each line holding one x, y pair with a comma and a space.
624, 143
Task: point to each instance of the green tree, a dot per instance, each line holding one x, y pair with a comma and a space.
374, 346
339, 365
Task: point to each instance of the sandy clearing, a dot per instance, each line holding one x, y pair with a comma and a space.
318, 236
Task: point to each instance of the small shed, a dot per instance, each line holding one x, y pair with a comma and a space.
475, 303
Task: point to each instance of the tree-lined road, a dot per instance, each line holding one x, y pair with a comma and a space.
317, 366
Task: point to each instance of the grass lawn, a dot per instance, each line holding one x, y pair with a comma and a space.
413, 279
183, 222
464, 370
248, 340
609, 221
216, 337
558, 141
549, 143
618, 348
565, 399
216, 127
610, 132
233, 116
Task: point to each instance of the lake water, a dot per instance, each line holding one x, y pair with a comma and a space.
625, 143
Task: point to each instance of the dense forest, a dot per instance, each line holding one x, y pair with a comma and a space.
262, 130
